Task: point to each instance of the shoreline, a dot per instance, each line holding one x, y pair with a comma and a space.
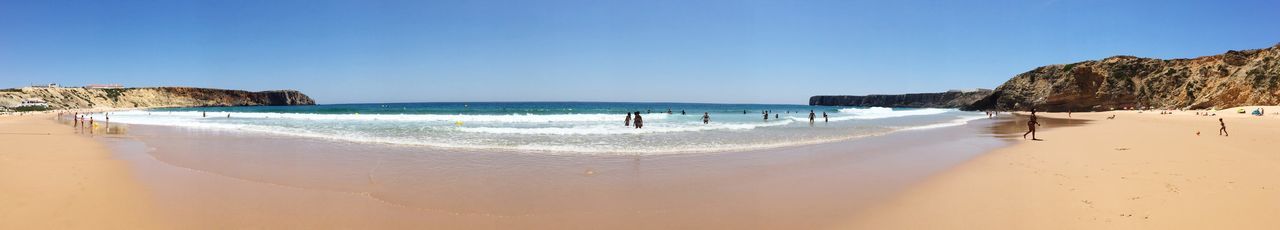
1141, 170
672, 138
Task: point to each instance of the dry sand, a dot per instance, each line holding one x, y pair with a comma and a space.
51, 177
1138, 171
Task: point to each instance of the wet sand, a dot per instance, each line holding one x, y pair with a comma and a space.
53, 177
219, 180
1138, 171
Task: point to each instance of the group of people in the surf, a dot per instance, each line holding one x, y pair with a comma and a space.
812, 115
635, 120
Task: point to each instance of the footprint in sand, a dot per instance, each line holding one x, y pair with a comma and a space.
1172, 188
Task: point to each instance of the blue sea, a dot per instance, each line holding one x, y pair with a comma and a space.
558, 127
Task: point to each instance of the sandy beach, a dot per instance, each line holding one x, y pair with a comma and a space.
54, 178
1138, 171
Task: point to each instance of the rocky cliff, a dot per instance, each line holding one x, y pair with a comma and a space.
75, 98
949, 99
1236, 78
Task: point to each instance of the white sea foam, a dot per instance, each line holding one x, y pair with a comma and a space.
508, 118
571, 133
615, 129
881, 112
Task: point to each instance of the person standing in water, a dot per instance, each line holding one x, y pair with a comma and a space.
1031, 126
627, 122
1223, 130
639, 121
811, 116
706, 118
204, 114
682, 112
766, 115
824, 117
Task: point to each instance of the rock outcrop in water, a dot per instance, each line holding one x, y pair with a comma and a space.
1236, 78
76, 98
949, 99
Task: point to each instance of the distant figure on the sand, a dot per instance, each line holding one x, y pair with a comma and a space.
811, 116
1222, 131
1031, 126
228, 115
627, 122
706, 118
204, 114
824, 116
639, 121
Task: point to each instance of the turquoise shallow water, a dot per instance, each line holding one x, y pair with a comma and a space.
558, 127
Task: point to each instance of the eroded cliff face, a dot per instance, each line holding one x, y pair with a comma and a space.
949, 99
1236, 78
76, 98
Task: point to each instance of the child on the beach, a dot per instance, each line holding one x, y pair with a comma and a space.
1222, 131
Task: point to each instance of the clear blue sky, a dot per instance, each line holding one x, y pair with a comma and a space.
653, 50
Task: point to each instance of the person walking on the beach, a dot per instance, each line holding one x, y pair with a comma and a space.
824, 116
1031, 126
639, 121
706, 118
627, 122
811, 116
1223, 130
